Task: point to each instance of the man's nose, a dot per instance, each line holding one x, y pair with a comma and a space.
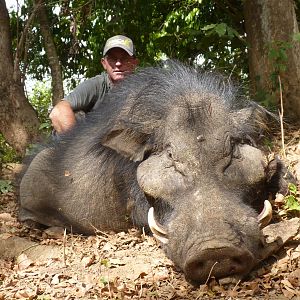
118, 62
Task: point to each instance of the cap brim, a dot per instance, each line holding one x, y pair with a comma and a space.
118, 46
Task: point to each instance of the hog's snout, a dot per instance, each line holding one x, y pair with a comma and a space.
227, 261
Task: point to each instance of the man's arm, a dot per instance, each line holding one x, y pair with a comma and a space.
62, 117
80, 99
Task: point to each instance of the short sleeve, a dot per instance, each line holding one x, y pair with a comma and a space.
87, 93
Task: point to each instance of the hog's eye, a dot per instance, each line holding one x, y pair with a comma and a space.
169, 152
147, 154
236, 151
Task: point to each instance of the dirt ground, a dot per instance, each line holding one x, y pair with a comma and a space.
50, 264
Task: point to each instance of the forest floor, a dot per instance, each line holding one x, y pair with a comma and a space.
128, 265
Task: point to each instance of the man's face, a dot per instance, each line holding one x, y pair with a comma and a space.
118, 64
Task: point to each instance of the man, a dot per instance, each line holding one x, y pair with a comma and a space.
118, 61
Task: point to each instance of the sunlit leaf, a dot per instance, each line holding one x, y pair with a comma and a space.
221, 29
5, 186
291, 203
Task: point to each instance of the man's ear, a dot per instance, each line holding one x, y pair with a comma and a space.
137, 61
103, 62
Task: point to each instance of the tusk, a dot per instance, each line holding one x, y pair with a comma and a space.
158, 231
265, 216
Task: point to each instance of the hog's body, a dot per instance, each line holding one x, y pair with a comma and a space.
172, 139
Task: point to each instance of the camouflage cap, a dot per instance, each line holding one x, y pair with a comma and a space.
119, 41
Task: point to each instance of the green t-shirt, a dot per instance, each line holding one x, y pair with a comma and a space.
89, 92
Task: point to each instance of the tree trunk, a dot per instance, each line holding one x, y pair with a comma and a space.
54, 62
18, 121
270, 27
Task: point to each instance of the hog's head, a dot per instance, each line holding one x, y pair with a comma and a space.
200, 173
206, 177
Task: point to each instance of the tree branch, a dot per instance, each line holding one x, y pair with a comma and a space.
20, 50
54, 62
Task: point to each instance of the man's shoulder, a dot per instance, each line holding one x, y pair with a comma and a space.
103, 77
98, 82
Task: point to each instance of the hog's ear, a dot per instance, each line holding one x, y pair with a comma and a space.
278, 177
255, 115
249, 114
129, 143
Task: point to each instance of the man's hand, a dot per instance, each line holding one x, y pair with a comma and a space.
62, 117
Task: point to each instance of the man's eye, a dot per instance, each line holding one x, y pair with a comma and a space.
121, 59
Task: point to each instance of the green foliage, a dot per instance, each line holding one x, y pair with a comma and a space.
105, 262
7, 153
291, 200
40, 99
5, 186
199, 31
185, 30
103, 281
205, 31
268, 143
221, 29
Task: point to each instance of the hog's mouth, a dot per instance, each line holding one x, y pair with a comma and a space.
226, 262
161, 234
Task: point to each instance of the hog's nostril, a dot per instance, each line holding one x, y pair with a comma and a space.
237, 260
199, 265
